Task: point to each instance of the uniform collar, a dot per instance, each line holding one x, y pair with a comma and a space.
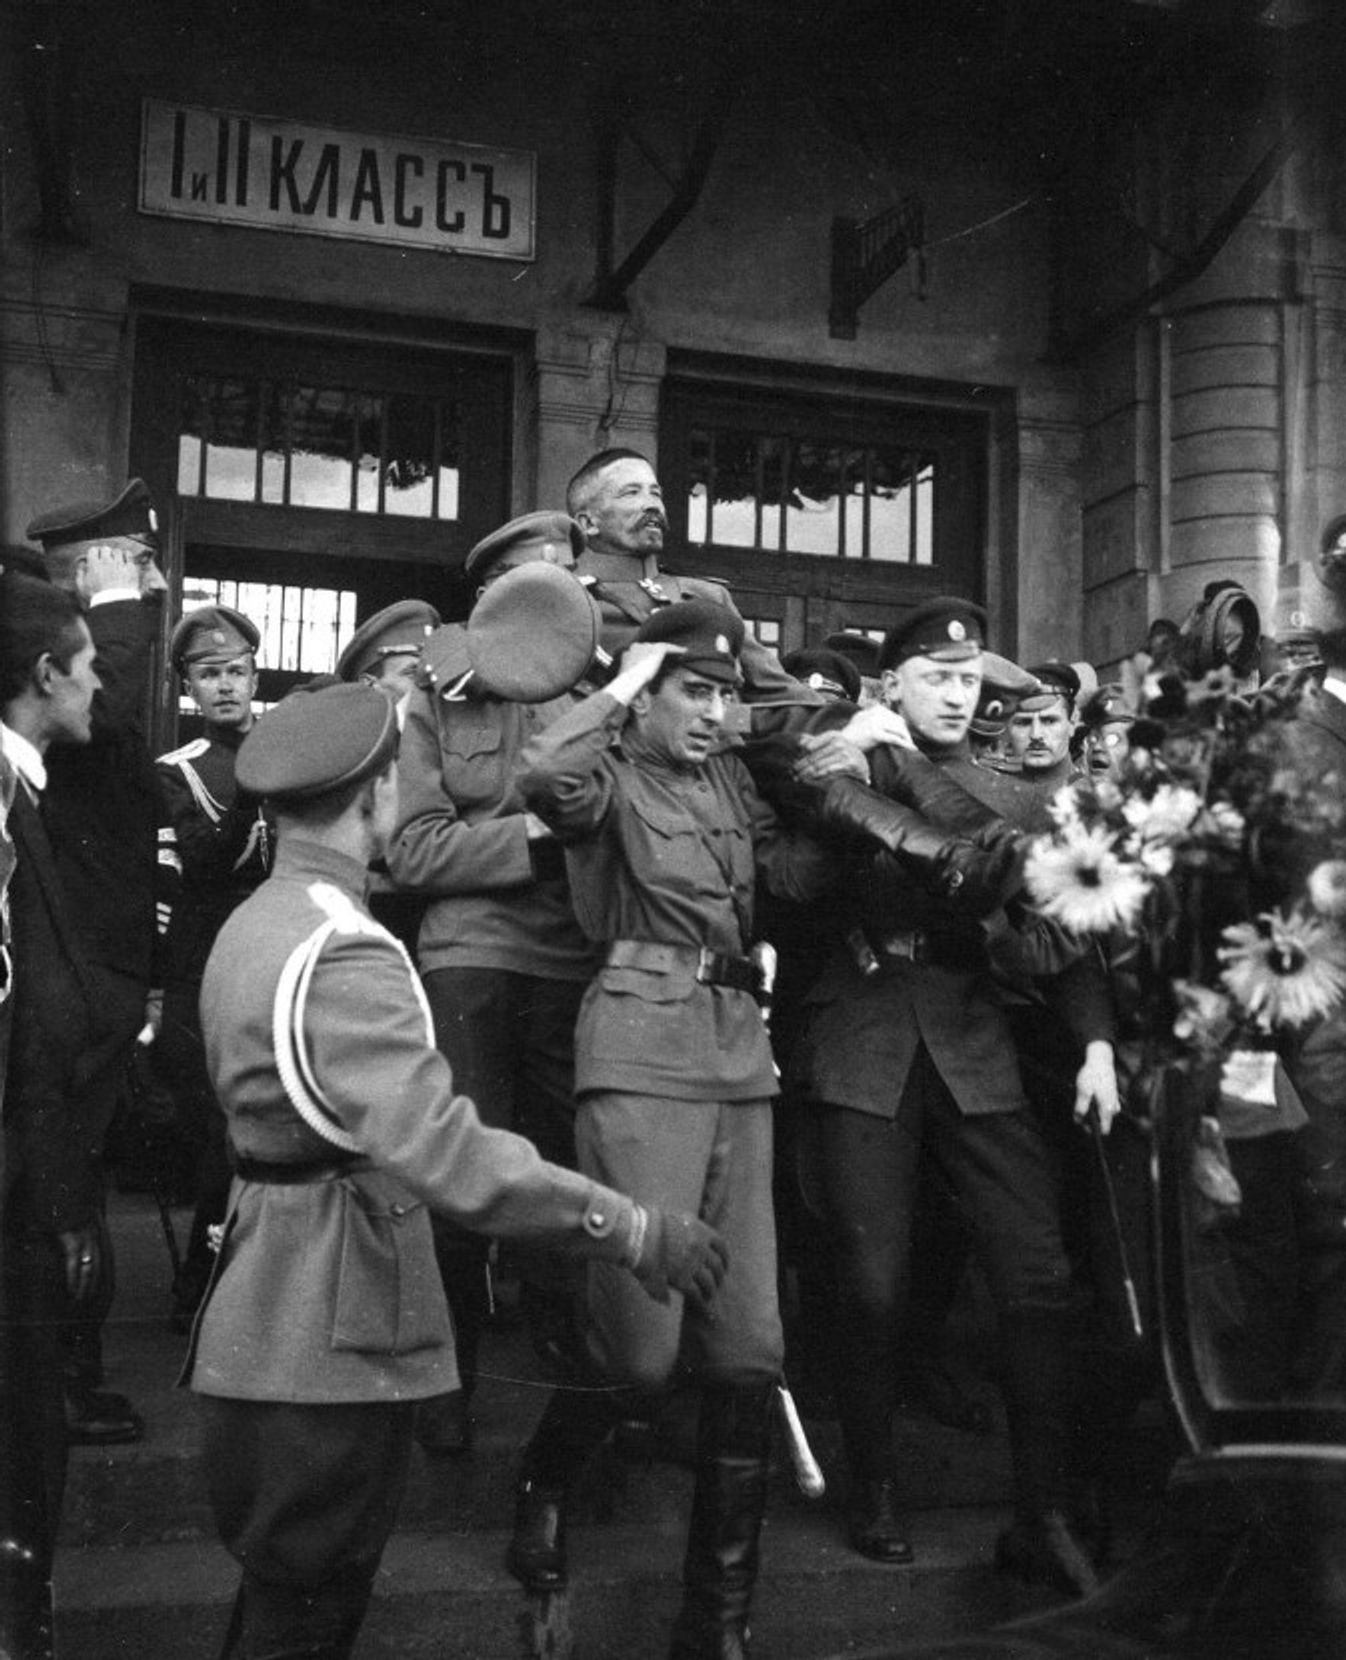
297, 857
25, 758
617, 567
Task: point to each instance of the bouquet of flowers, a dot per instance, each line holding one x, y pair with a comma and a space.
1182, 862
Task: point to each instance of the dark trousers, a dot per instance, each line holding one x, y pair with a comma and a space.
999, 1169
304, 1498
32, 1436
510, 1040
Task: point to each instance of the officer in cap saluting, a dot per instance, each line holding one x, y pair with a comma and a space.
325, 1323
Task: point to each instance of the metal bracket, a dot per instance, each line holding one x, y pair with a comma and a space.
866, 252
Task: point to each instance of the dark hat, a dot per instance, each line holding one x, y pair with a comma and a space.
318, 740
711, 636
1203, 629
1002, 685
539, 531
1106, 706
948, 629
1052, 681
15, 557
825, 671
212, 634
129, 514
856, 648
399, 630
531, 637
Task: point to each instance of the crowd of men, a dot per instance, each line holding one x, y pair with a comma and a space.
471, 941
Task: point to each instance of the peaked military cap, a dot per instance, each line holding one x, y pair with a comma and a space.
1106, 706
318, 740
399, 630
530, 637
856, 648
825, 671
1003, 683
212, 634
948, 629
711, 637
1052, 681
129, 514
547, 534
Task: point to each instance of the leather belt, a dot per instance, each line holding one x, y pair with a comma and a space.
709, 968
297, 1174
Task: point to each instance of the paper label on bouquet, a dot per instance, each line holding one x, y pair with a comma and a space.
1250, 1075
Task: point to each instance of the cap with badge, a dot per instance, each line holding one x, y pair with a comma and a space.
212, 634
319, 739
825, 671
399, 630
1053, 682
948, 629
130, 514
710, 635
1003, 683
548, 537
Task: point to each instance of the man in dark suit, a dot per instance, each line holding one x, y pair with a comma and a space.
52, 1237
102, 814
908, 1053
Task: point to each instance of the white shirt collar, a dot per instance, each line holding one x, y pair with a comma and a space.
25, 758
1336, 685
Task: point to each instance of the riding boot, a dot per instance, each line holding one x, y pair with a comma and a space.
728, 1504
573, 1426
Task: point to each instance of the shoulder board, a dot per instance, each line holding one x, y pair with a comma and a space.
188, 752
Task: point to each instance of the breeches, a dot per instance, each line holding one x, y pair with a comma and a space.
712, 1160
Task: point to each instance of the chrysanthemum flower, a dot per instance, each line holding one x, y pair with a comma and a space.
1064, 807
1223, 823
1166, 816
1327, 888
1283, 970
1078, 880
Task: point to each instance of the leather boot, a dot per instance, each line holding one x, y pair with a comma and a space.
728, 1504
575, 1423
976, 871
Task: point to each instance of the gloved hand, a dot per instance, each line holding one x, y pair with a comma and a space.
680, 1253
976, 871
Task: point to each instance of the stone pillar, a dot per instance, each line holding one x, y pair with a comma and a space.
593, 389
1050, 588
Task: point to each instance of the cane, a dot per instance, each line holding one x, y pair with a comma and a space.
1128, 1282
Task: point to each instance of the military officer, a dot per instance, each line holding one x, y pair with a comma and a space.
215, 846
503, 959
908, 1053
325, 1323
386, 648
665, 833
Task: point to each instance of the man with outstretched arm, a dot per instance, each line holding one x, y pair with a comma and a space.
325, 1321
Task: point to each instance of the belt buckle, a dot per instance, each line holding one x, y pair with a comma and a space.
909, 945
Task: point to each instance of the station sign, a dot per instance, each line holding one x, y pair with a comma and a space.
225, 168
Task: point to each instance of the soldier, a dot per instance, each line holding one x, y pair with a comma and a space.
1042, 724
502, 957
617, 501
664, 834
908, 1052
215, 846
386, 648
324, 1323
101, 810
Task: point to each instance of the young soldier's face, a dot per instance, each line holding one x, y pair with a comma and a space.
936, 699
1041, 737
223, 692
